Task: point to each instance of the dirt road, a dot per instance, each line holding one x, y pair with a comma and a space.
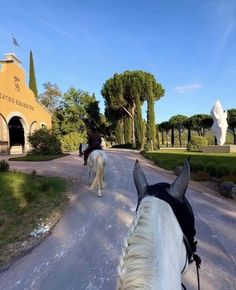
83, 249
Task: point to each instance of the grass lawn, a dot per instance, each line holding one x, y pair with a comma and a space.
225, 163
26, 201
33, 157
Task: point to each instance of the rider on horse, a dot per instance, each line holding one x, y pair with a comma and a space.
94, 142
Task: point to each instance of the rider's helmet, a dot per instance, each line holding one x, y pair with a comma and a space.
94, 128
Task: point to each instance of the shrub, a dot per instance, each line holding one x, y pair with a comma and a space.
211, 168
4, 165
222, 170
126, 146
197, 143
44, 142
197, 166
201, 176
71, 141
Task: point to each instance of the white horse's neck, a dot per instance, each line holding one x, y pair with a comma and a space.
156, 254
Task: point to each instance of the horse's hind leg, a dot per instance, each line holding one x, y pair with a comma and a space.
90, 176
102, 178
99, 191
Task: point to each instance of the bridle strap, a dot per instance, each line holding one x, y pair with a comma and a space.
192, 256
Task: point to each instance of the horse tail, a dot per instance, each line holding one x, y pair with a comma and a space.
99, 172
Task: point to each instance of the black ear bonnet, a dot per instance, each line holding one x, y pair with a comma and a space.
182, 210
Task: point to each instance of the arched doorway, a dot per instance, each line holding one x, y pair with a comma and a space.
16, 135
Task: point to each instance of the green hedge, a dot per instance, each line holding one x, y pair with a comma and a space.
216, 165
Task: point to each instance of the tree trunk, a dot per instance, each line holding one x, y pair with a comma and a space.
180, 141
189, 134
172, 137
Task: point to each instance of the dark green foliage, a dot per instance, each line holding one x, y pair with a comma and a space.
138, 124
4, 165
197, 143
119, 132
211, 168
32, 79
51, 97
125, 93
178, 122
200, 123
33, 157
197, 166
222, 170
44, 142
128, 130
80, 110
71, 141
164, 128
126, 146
151, 130
232, 122
215, 165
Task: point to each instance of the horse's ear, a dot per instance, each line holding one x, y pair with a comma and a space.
139, 180
180, 185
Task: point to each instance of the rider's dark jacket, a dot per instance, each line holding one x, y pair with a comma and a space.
94, 139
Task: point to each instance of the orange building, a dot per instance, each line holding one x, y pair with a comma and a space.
20, 112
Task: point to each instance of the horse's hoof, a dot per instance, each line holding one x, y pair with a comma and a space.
103, 186
99, 194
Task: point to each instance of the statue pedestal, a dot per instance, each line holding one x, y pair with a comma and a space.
219, 149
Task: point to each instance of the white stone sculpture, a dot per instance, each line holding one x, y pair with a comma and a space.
220, 124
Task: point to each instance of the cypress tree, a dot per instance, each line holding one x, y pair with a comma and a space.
32, 80
151, 130
119, 132
138, 124
128, 129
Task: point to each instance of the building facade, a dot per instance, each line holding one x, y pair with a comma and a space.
20, 112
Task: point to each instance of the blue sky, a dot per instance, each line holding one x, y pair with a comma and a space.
189, 46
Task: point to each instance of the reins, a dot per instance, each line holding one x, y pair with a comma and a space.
192, 257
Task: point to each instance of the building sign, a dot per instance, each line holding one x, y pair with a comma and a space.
17, 83
16, 101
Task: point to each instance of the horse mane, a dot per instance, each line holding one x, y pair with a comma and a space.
143, 261
135, 269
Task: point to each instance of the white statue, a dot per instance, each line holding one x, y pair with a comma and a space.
220, 124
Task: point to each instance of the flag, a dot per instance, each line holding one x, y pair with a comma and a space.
14, 41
